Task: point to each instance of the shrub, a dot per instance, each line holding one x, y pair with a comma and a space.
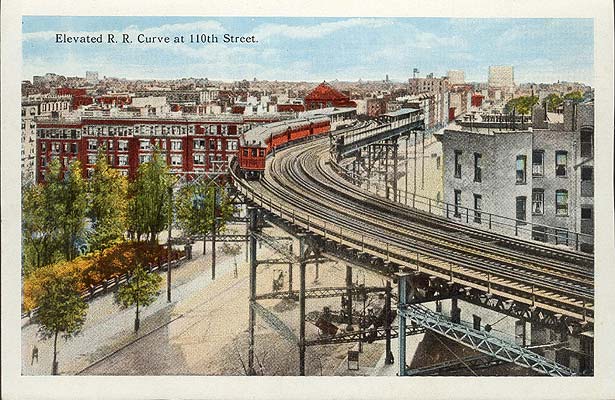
94, 268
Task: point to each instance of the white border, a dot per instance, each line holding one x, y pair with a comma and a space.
601, 386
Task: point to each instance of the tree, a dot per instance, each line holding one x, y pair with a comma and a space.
553, 101
232, 250
54, 216
38, 230
195, 209
149, 196
67, 202
108, 193
141, 290
61, 310
575, 95
521, 105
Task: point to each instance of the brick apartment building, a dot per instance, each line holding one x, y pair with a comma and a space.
189, 143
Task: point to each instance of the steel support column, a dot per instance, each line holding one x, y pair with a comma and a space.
386, 171
302, 310
252, 213
349, 294
214, 228
395, 170
402, 280
387, 324
290, 271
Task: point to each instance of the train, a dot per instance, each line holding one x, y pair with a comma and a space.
256, 143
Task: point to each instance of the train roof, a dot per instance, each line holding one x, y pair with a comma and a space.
258, 134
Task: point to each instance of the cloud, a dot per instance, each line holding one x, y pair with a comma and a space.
318, 30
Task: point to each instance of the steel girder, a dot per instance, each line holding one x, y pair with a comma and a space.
363, 335
473, 362
320, 293
276, 323
481, 341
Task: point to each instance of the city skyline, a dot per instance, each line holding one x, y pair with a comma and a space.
316, 49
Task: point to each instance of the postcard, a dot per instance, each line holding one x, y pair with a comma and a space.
315, 200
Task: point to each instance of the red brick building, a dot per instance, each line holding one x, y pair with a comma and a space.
324, 96
189, 144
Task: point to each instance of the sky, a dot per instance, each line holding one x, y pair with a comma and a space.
315, 49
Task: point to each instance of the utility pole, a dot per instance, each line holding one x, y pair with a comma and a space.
213, 235
169, 245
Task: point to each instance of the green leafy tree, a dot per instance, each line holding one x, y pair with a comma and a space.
75, 207
575, 95
61, 310
553, 101
108, 204
148, 208
521, 105
38, 229
195, 209
140, 290
54, 216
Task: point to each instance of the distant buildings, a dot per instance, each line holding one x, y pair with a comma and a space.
501, 76
324, 95
456, 77
91, 77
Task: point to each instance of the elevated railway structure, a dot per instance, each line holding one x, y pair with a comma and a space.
437, 258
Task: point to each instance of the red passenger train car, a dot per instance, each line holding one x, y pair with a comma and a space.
256, 143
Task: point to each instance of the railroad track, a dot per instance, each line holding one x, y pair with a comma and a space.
300, 179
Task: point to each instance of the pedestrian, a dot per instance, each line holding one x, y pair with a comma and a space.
34, 355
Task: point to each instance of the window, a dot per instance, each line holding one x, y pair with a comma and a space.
438, 162
231, 145
199, 144
586, 213
457, 164
143, 158
478, 205
521, 169
176, 159
199, 159
457, 202
43, 146
122, 160
520, 207
212, 144
477, 167
219, 144
91, 159
587, 139
176, 144
245, 152
538, 158
213, 129
92, 145
122, 145
538, 201
261, 152
144, 144
254, 152
561, 202
561, 161
587, 174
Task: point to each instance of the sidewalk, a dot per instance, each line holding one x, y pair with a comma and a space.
108, 327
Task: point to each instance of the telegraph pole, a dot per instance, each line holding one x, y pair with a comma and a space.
169, 245
213, 236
